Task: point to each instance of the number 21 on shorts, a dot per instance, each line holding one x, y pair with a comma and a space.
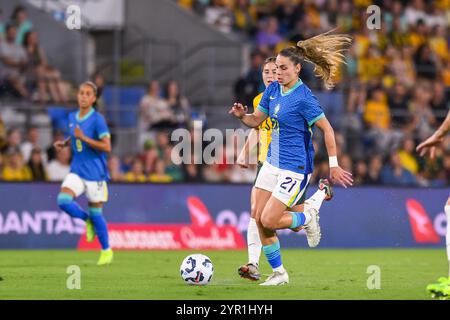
288, 184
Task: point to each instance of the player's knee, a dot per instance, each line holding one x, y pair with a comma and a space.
64, 200
268, 222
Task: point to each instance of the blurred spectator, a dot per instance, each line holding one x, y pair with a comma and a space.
99, 81
346, 162
36, 165
2, 163
407, 156
3, 140
160, 175
13, 60
47, 78
371, 65
439, 101
377, 114
115, 169
401, 66
192, 172
268, 37
374, 170
395, 175
137, 172
127, 163
150, 156
380, 136
155, 112
424, 60
446, 164
245, 17
13, 140
171, 169
423, 118
178, 104
2, 26
218, 15
59, 168
20, 20
31, 143
249, 86
15, 168
398, 104
361, 173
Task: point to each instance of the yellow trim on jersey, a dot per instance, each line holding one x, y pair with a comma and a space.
264, 132
105, 190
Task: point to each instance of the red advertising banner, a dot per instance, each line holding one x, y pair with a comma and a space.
201, 234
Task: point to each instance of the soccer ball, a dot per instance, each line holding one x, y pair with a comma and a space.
197, 269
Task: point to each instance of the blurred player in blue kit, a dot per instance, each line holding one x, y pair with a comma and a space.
90, 141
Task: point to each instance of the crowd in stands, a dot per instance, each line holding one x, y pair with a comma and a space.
392, 93
25, 71
394, 90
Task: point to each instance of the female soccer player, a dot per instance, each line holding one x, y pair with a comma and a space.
428, 148
260, 138
293, 110
90, 141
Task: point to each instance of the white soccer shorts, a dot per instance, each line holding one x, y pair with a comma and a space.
96, 191
285, 185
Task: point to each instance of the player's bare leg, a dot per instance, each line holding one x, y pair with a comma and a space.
270, 216
250, 270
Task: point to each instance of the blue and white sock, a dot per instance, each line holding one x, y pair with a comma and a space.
299, 219
71, 207
101, 229
273, 256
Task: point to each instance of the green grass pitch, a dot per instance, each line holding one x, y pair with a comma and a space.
314, 274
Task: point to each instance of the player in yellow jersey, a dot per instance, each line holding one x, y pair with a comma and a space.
260, 139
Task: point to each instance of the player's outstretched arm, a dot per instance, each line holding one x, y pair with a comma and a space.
103, 145
428, 147
251, 120
337, 174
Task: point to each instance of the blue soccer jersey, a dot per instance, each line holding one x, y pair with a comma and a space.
293, 115
88, 163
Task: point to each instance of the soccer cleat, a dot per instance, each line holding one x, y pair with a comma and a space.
441, 289
106, 257
325, 185
312, 229
276, 279
90, 231
249, 271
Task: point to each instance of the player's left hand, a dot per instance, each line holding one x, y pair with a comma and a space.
340, 176
79, 134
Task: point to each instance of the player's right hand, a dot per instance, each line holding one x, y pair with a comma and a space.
428, 147
58, 145
238, 110
342, 177
242, 163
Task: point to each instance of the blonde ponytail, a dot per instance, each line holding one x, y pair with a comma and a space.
325, 51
